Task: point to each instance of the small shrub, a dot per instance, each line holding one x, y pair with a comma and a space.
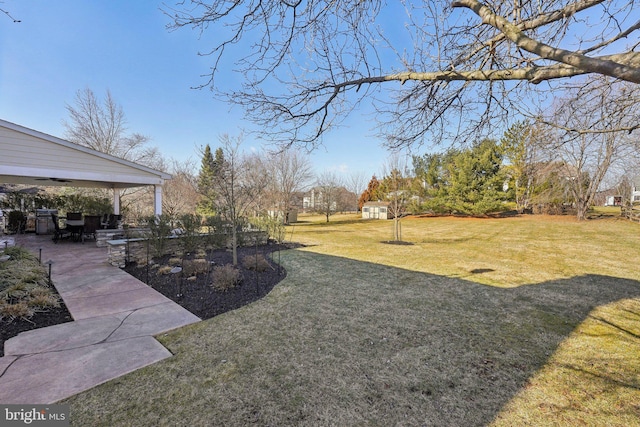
165, 269
225, 277
18, 253
17, 290
197, 266
257, 263
174, 262
43, 300
14, 311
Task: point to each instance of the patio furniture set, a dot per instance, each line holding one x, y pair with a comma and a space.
78, 226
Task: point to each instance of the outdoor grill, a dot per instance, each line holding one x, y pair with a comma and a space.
44, 222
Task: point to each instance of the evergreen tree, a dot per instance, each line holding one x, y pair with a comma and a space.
476, 180
209, 168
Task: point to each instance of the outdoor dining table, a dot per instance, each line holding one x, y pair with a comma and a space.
76, 227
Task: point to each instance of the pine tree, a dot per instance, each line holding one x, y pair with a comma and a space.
475, 180
206, 175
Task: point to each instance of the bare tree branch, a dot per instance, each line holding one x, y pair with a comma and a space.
308, 65
6, 12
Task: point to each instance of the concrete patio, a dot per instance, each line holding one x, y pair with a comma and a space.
115, 320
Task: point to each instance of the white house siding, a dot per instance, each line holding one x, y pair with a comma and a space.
635, 191
24, 153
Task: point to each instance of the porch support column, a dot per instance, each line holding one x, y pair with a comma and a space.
157, 200
116, 201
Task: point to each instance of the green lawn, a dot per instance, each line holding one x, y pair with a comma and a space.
517, 321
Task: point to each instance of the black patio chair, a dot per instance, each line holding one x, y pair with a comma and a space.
91, 224
74, 215
59, 233
114, 221
104, 222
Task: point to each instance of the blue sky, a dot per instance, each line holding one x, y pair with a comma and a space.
63, 46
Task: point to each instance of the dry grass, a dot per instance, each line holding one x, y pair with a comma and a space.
345, 341
504, 252
24, 286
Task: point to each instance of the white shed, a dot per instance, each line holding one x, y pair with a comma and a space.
35, 158
376, 210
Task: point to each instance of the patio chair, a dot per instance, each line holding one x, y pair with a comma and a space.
91, 224
59, 233
76, 216
114, 221
104, 222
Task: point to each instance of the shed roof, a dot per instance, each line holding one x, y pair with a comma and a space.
376, 204
35, 158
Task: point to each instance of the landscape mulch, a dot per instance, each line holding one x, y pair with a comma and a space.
195, 294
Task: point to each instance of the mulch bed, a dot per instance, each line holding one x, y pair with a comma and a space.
197, 296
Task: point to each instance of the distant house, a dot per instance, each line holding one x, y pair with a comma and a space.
613, 201
341, 200
376, 210
635, 190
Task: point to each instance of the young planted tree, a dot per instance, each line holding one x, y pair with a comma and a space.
396, 186
235, 192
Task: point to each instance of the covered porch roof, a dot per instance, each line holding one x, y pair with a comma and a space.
35, 158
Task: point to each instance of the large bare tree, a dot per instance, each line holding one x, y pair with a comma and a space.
289, 172
180, 194
101, 126
604, 107
435, 68
328, 194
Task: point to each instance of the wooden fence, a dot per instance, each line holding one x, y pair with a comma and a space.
631, 212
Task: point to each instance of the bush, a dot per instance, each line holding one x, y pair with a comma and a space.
19, 310
197, 266
175, 262
159, 228
225, 277
16, 222
191, 231
257, 263
165, 269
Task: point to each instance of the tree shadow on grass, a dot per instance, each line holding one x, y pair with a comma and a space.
344, 342
445, 351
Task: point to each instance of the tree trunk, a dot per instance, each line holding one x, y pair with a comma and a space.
582, 207
234, 244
